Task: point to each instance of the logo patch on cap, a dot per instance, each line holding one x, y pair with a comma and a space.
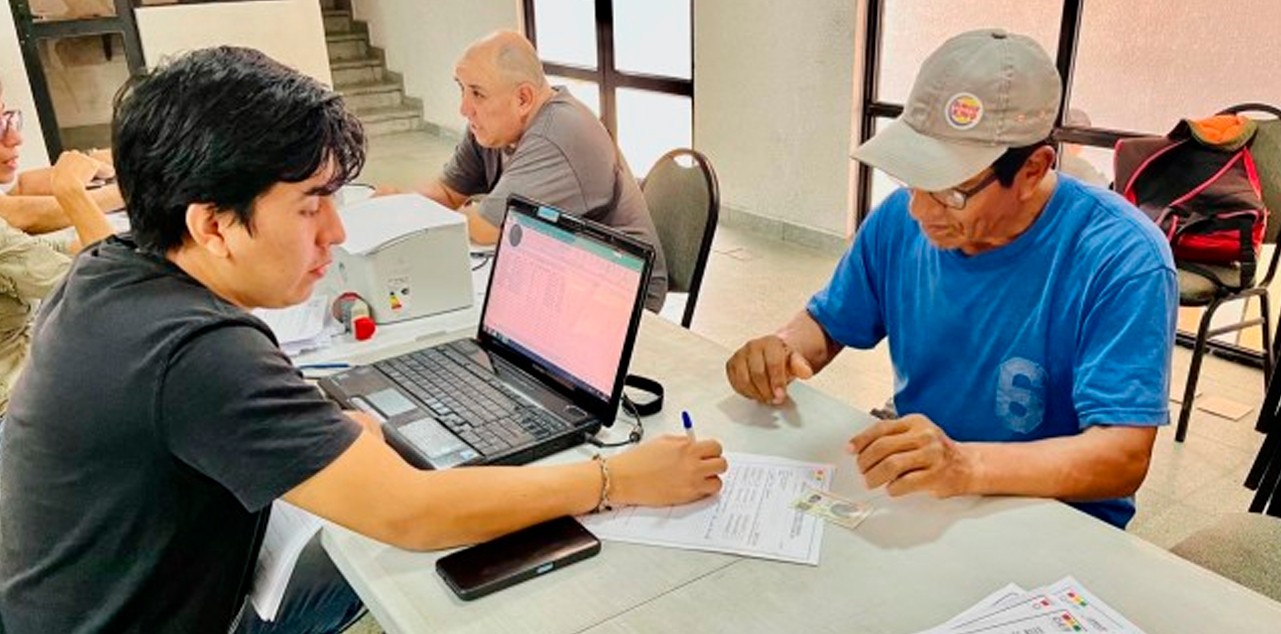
964, 111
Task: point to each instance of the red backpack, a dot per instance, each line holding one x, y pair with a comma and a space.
1200, 185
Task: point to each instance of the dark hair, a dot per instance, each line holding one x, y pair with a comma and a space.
1008, 165
222, 126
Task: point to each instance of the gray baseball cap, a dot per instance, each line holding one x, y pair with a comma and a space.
978, 95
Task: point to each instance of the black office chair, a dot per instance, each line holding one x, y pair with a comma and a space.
1246, 547
684, 199
1265, 474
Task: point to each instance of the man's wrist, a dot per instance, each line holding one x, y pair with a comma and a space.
66, 188
604, 503
974, 478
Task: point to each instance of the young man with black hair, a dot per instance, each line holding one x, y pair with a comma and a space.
1030, 318
141, 509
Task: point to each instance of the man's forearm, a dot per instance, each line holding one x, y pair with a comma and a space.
33, 214
107, 198
479, 229
42, 214
35, 182
84, 213
1100, 463
372, 491
439, 192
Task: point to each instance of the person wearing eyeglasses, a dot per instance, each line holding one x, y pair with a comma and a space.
30, 205
1030, 318
30, 266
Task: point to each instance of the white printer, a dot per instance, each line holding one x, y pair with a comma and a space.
405, 255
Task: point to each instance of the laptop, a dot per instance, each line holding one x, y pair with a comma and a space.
545, 370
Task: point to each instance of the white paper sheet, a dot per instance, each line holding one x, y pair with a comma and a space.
288, 531
1065, 606
752, 516
301, 327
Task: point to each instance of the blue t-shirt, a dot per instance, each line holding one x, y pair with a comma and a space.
1069, 325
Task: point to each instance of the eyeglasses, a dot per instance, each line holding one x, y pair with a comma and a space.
10, 120
955, 198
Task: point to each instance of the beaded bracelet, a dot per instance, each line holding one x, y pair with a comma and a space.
604, 504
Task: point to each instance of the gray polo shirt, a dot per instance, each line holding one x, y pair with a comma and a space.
565, 159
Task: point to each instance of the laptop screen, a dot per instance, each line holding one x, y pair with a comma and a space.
563, 298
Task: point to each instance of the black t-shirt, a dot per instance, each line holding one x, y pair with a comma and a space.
144, 444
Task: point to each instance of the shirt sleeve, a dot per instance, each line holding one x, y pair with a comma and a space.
850, 308
236, 410
465, 172
1123, 365
538, 170
29, 266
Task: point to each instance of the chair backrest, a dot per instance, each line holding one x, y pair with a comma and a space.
1266, 150
683, 197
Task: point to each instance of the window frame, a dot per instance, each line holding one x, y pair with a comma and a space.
606, 76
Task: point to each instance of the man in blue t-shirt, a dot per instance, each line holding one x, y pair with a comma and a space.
1030, 317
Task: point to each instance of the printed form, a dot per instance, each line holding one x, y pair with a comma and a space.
288, 531
752, 516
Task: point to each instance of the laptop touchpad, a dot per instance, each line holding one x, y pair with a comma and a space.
443, 449
390, 402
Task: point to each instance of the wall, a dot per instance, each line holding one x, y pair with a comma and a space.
290, 31
773, 90
422, 41
17, 93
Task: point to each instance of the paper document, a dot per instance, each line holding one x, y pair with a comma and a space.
1065, 606
288, 531
752, 516
302, 327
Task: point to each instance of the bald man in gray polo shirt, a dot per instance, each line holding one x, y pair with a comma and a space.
526, 137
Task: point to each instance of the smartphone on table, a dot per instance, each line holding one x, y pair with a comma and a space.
527, 553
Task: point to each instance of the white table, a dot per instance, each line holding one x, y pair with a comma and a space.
914, 564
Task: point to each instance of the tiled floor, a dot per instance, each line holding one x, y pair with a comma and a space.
754, 283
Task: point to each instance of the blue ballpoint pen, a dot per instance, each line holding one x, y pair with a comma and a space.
689, 425
324, 366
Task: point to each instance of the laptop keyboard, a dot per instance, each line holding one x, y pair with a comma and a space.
472, 404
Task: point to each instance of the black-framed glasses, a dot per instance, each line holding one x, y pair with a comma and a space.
955, 198
10, 120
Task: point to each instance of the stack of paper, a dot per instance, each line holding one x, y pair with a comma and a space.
1065, 606
304, 327
288, 531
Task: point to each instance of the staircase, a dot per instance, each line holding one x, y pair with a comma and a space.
373, 93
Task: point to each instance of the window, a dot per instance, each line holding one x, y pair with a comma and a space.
622, 51
1178, 68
